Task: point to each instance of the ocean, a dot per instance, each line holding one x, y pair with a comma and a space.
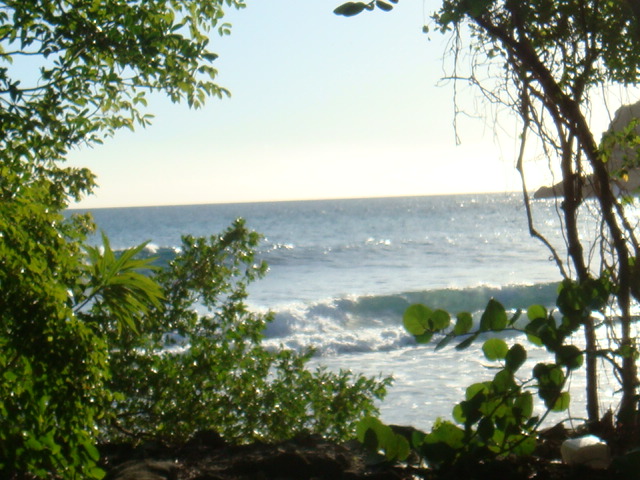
342, 272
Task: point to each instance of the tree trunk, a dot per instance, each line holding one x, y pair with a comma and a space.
572, 124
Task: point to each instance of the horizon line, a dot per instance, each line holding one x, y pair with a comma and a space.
296, 200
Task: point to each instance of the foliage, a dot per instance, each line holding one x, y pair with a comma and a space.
71, 73
350, 9
548, 62
497, 417
72, 315
90, 348
53, 362
76, 70
376, 436
199, 363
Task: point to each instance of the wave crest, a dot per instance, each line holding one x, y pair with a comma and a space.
374, 323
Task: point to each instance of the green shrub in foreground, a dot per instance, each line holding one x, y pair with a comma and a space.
217, 374
52, 364
85, 349
497, 417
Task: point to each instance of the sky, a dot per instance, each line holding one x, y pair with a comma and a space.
322, 106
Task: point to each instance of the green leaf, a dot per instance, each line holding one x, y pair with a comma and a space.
515, 358
543, 331
444, 342
384, 5
536, 311
458, 414
367, 423
523, 404
537, 341
417, 438
494, 317
398, 448
468, 341
365, 428
33, 444
562, 403
570, 356
524, 446
439, 320
464, 322
475, 389
416, 319
377, 436
370, 440
448, 433
495, 349
97, 473
92, 451
424, 338
503, 381
350, 9
486, 428
470, 410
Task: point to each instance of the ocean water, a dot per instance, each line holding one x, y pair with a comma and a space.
342, 272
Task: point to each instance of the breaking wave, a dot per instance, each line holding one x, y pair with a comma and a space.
374, 323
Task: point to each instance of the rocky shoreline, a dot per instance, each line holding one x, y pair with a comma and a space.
207, 457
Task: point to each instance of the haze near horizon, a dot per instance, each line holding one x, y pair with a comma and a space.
322, 107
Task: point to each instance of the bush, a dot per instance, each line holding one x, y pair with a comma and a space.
199, 362
99, 345
52, 364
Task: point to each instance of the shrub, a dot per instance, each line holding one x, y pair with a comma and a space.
199, 362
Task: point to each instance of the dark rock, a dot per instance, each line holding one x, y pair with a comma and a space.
206, 439
207, 457
144, 470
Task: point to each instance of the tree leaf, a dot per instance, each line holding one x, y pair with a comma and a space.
495, 349
494, 317
350, 9
570, 356
515, 357
485, 428
536, 311
465, 343
464, 322
503, 381
444, 342
424, 338
416, 319
384, 5
524, 447
523, 405
562, 403
439, 320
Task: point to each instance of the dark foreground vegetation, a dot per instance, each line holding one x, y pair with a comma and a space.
107, 359
546, 64
207, 457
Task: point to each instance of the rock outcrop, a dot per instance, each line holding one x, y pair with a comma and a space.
312, 458
631, 183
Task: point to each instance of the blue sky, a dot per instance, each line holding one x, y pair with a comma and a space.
322, 107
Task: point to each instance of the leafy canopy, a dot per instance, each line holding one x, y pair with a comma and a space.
198, 362
75, 71
548, 61
88, 347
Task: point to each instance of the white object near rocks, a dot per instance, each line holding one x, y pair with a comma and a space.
589, 450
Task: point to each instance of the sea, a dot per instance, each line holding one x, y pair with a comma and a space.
342, 272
